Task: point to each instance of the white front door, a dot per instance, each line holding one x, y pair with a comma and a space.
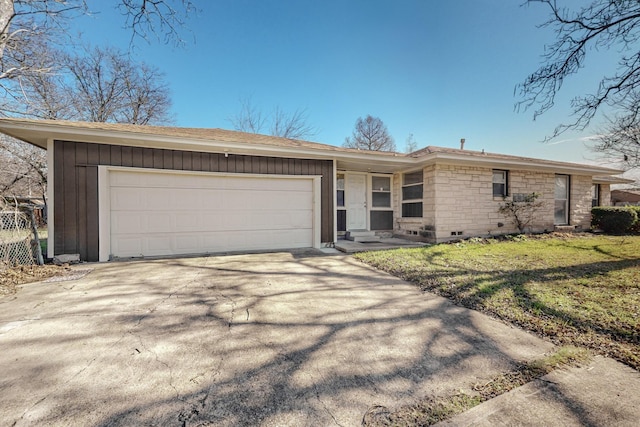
356, 201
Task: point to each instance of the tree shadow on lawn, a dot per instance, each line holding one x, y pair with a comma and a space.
476, 288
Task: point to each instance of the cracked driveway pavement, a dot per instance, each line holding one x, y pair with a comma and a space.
260, 339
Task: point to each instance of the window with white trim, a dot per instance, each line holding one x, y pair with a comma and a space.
412, 194
500, 183
561, 206
380, 192
381, 212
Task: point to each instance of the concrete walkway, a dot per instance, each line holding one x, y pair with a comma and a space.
349, 247
250, 340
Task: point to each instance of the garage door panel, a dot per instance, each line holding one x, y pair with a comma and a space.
127, 222
160, 213
276, 200
186, 199
125, 197
159, 222
188, 243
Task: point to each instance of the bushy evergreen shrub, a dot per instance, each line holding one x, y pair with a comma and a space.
614, 219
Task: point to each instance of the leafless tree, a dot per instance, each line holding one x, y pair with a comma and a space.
107, 86
612, 25
293, 126
371, 134
99, 85
24, 24
92, 84
39, 95
411, 144
619, 141
249, 118
24, 168
162, 18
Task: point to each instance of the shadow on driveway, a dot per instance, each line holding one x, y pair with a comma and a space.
261, 339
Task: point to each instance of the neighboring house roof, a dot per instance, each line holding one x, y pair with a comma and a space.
630, 196
38, 132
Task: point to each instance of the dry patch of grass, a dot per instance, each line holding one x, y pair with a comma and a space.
575, 290
431, 410
12, 277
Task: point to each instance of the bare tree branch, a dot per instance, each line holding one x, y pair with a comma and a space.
599, 25
97, 84
370, 134
292, 126
163, 18
24, 167
249, 118
619, 141
24, 23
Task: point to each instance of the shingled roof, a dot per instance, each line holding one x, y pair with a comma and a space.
38, 132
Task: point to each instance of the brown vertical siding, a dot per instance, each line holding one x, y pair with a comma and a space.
76, 184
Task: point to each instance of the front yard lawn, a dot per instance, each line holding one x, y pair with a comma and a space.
573, 289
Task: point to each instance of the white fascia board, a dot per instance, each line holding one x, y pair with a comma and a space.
402, 162
526, 164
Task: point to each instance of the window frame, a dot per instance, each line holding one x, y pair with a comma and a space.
340, 176
412, 201
595, 191
505, 183
381, 191
566, 200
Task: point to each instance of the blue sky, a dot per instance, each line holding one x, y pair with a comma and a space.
440, 70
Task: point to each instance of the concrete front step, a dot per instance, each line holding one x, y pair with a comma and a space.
362, 236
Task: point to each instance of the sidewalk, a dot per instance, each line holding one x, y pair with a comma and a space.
604, 393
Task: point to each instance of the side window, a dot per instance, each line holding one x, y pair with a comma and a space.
595, 195
340, 190
561, 208
412, 194
500, 183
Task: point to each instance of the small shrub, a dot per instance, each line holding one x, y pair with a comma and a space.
614, 219
635, 228
522, 210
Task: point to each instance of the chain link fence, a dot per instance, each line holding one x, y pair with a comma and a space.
16, 238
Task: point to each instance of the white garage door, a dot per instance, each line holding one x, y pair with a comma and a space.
164, 213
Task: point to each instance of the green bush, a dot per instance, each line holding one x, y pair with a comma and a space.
635, 228
614, 219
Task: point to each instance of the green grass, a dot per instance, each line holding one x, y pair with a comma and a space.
580, 290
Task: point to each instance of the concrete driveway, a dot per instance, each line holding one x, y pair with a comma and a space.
260, 340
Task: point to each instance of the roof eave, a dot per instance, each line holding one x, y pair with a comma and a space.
38, 134
522, 164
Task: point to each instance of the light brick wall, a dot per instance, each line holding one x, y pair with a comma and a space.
465, 201
413, 226
460, 199
605, 195
580, 201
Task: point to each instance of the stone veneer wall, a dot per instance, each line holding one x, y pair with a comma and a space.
458, 202
580, 201
605, 195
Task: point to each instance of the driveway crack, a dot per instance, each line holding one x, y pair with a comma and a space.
327, 410
55, 391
